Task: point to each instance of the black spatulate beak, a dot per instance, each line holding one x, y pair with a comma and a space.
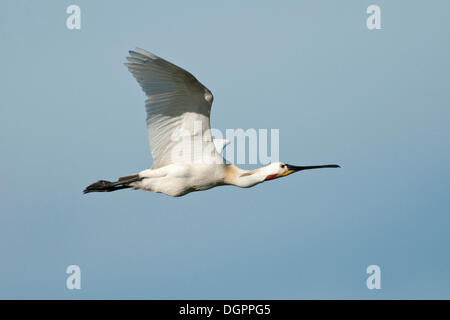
300, 168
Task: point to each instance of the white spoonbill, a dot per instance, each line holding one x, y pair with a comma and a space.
178, 110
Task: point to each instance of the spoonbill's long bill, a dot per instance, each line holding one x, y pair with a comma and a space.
178, 110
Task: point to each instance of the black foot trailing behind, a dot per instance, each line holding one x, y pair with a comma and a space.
108, 186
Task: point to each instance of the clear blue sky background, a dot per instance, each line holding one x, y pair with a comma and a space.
376, 102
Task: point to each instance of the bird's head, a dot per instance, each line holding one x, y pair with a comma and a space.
281, 169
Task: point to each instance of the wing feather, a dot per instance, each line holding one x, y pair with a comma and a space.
177, 104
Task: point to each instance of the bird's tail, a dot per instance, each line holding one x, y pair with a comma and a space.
108, 186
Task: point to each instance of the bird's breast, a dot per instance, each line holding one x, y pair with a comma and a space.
184, 178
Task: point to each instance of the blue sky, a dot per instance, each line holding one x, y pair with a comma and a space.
375, 102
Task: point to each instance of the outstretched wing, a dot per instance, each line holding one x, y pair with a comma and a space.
178, 108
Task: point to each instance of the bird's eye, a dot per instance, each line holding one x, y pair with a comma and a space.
282, 166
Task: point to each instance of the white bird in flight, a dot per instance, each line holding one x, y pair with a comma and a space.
178, 110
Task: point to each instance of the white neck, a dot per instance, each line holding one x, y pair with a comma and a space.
244, 178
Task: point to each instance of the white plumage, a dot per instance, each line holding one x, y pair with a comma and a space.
175, 103
185, 156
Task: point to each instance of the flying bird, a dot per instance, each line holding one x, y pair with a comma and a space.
178, 110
